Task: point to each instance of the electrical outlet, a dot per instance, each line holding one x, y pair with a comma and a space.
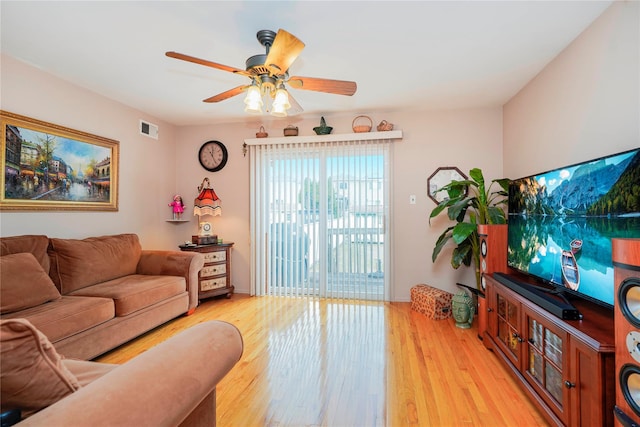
412, 199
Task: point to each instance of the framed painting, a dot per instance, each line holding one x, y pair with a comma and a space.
51, 167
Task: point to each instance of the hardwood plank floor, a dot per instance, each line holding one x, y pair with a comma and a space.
312, 362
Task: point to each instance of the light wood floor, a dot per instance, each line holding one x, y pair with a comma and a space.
310, 362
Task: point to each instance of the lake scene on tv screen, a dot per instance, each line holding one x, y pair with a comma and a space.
561, 222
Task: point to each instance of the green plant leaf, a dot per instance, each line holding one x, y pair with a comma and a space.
441, 206
477, 176
455, 189
462, 231
458, 210
473, 218
436, 211
504, 184
442, 240
461, 255
496, 216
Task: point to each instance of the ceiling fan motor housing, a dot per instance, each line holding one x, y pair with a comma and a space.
266, 38
255, 65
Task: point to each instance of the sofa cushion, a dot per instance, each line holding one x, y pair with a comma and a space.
135, 292
67, 316
76, 264
36, 244
32, 375
23, 283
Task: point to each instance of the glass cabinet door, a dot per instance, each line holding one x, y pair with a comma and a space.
545, 362
508, 313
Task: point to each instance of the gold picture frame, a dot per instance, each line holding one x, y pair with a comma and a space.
51, 167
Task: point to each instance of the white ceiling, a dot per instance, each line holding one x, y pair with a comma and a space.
437, 54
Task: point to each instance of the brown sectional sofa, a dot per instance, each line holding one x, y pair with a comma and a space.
89, 296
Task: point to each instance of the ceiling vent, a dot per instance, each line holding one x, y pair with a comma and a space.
149, 129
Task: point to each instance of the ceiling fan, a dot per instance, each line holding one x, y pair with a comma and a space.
269, 72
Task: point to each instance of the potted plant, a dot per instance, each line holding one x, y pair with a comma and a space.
470, 203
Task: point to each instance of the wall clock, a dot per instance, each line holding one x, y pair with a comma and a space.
441, 177
213, 155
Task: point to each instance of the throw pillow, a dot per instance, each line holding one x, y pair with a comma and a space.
24, 283
36, 244
76, 264
32, 375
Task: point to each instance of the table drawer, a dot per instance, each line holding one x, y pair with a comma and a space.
213, 270
215, 256
217, 283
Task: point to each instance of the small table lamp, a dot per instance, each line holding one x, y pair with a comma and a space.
207, 203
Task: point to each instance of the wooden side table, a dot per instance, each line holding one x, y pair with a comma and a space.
215, 277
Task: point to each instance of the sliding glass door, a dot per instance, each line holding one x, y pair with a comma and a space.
319, 219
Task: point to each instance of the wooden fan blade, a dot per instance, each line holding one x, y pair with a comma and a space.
285, 49
206, 63
339, 87
226, 95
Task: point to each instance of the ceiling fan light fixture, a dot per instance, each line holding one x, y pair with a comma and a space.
280, 102
278, 110
253, 101
282, 98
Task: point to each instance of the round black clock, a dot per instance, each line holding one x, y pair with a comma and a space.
213, 155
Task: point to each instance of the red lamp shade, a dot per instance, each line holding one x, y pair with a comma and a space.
207, 202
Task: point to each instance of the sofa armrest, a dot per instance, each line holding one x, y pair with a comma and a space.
160, 387
174, 263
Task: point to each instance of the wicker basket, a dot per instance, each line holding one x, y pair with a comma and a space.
291, 131
262, 133
385, 126
360, 127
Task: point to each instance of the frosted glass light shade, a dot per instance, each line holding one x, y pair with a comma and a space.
253, 100
278, 110
282, 99
280, 103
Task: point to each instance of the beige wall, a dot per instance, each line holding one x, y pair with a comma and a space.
584, 104
147, 167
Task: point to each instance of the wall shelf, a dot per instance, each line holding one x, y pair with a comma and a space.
362, 136
178, 220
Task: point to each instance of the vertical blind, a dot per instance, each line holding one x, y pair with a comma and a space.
319, 218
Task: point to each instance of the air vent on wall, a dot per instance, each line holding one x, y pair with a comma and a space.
149, 129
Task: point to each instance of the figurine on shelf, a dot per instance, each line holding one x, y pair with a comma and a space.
178, 206
323, 129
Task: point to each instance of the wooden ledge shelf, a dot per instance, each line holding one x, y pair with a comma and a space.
362, 136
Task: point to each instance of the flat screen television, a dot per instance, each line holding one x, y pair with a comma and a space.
561, 223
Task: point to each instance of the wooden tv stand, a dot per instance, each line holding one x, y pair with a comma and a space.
566, 366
